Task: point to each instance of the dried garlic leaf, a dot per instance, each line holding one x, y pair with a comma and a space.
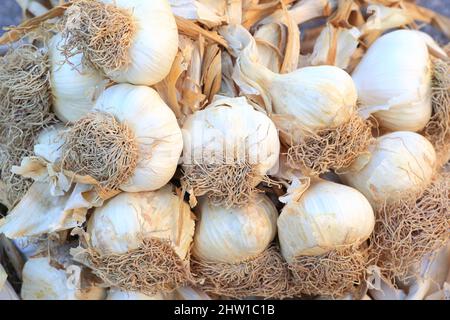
212, 71
193, 30
335, 46
18, 32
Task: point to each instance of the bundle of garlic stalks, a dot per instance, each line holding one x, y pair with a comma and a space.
249, 149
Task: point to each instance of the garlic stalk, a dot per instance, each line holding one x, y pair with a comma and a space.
393, 81
133, 41
43, 280
321, 230
232, 246
399, 163
229, 147
310, 106
146, 236
75, 87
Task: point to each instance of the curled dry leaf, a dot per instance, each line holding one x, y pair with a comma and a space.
335, 46
209, 13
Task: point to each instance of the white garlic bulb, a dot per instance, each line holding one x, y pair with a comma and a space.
74, 87
234, 235
125, 220
42, 281
149, 41
315, 97
393, 80
155, 130
399, 163
114, 294
229, 130
325, 216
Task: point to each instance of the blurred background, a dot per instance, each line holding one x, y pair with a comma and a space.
10, 14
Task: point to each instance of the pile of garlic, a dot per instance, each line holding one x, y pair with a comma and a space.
197, 150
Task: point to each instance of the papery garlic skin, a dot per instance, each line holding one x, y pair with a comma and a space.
41, 281
234, 235
124, 221
400, 163
128, 295
49, 142
74, 86
327, 215
394, 76
154, 45
230, 129
156, 132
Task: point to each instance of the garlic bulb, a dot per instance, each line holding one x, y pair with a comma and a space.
42, 281
126, 295
234, 235
232, 246
393, 80
316, 97
132, 41
399, 163
228, 149
327, 215
321, 230
122, 223
314, 109
150, 231
147, 129
6, 290
75, 87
